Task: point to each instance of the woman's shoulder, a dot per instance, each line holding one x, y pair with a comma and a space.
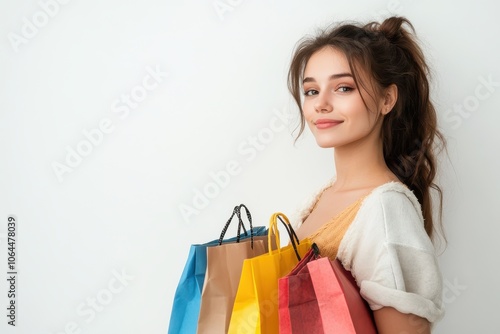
394, 192
395, 201
390, 214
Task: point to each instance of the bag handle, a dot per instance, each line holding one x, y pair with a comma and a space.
249, 218
294, 240
273, 231
237, 213
315, 250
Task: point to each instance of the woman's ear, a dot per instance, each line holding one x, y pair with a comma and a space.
390, 98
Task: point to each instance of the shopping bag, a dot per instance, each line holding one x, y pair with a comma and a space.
255, 307
320, 296
299, 282
187, 298
224, 263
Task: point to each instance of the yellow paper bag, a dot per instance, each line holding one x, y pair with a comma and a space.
255, 307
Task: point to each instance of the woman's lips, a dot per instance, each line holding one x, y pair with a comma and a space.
326, 123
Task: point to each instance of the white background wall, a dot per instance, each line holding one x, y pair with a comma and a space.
119, 209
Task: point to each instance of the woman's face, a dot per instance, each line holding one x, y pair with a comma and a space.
333, 107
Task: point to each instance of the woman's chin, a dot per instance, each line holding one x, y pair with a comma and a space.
325, 143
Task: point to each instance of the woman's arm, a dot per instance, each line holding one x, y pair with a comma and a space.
391, 321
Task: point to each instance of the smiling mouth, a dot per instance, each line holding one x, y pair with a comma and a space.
325, 124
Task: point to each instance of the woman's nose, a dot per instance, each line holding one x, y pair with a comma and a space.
323, 103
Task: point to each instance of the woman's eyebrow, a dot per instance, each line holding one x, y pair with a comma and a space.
333, 76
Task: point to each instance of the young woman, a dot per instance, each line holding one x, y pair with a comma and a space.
364, 91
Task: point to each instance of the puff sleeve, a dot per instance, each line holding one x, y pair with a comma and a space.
390, 255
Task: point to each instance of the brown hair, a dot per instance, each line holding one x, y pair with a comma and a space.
390, 54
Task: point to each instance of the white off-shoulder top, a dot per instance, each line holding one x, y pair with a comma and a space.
390, 255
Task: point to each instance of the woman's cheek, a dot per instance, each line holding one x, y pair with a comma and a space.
308, 110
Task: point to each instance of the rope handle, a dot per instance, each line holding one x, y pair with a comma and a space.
249, 218
237, 213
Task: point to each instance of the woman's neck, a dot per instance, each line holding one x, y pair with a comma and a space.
360, 165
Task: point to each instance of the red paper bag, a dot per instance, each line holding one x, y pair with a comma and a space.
320, 296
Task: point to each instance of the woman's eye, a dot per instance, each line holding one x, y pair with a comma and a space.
344, 89
310, 92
